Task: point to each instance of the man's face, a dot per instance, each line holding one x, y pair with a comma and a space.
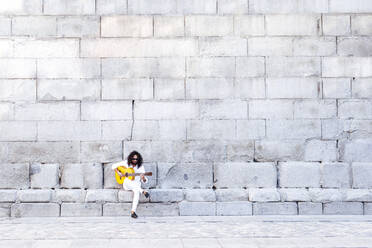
134, 159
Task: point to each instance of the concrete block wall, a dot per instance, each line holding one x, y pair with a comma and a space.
239, 107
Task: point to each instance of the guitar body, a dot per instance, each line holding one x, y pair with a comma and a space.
124, 170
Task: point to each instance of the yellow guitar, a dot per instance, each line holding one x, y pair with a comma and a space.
128, 173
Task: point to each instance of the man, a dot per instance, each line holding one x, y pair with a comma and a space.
134, 160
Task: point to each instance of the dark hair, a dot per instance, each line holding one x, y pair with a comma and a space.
139, 157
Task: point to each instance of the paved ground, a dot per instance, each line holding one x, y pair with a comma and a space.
187, 232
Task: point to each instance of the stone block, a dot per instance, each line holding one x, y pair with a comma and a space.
292, 87
44, 176
116, 130
69, 7
321, 150
196, 7
159, 130
354, 46
240, 151
250, 129
64, 111
209, 88
117, 47
68, 89
169, 89
239, 175
310, 208
6, 111
133, 68
109, 178
248, 25
17, 90
22, 7
197, 208
30, 195
344, 6
40, 26
270, 46
288, 6
179, 151
101, 151
299, 174
361, 24
325, 46
35, 210
107, 7
169, 26
166, 195
362, 173
222, 46
127, 196
279, 150
346, 66
336, 25
68, 68
106, 110
293, 129
166, 110
78, 26
18, 131
5, 209
87, 175
185, 175
46, 48
215, 67
152, 7
360, 195
101, 195
264, 195
271, 109
158, 209
274, 208
358, 109
240, 208
81, 209
315, 109
8, 195
362, 88
117, 209
294, 194
17, 68
327, 195
43, 152
250, 67
283, 24
223, 109
127, 89
208, 25
211, 129
336, 88
69, 195
228, 195
232, 7
126, 26
356, 150
14, 176
5, 26
293, 67
199, 195
335, 175
246, 88
367, 208
7, 48
348, 208
69, 130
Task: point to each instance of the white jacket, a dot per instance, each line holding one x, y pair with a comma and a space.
136, 170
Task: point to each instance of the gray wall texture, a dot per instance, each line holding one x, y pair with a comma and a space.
239, 107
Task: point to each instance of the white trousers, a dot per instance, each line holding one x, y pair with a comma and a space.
137, 190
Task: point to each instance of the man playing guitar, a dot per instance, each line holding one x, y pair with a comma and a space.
134, 161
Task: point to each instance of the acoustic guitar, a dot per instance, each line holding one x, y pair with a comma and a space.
128, 174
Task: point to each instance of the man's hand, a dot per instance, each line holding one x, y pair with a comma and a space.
143, 178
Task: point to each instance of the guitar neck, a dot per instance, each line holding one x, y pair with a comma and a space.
137, 174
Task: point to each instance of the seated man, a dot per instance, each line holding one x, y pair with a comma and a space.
134, 161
